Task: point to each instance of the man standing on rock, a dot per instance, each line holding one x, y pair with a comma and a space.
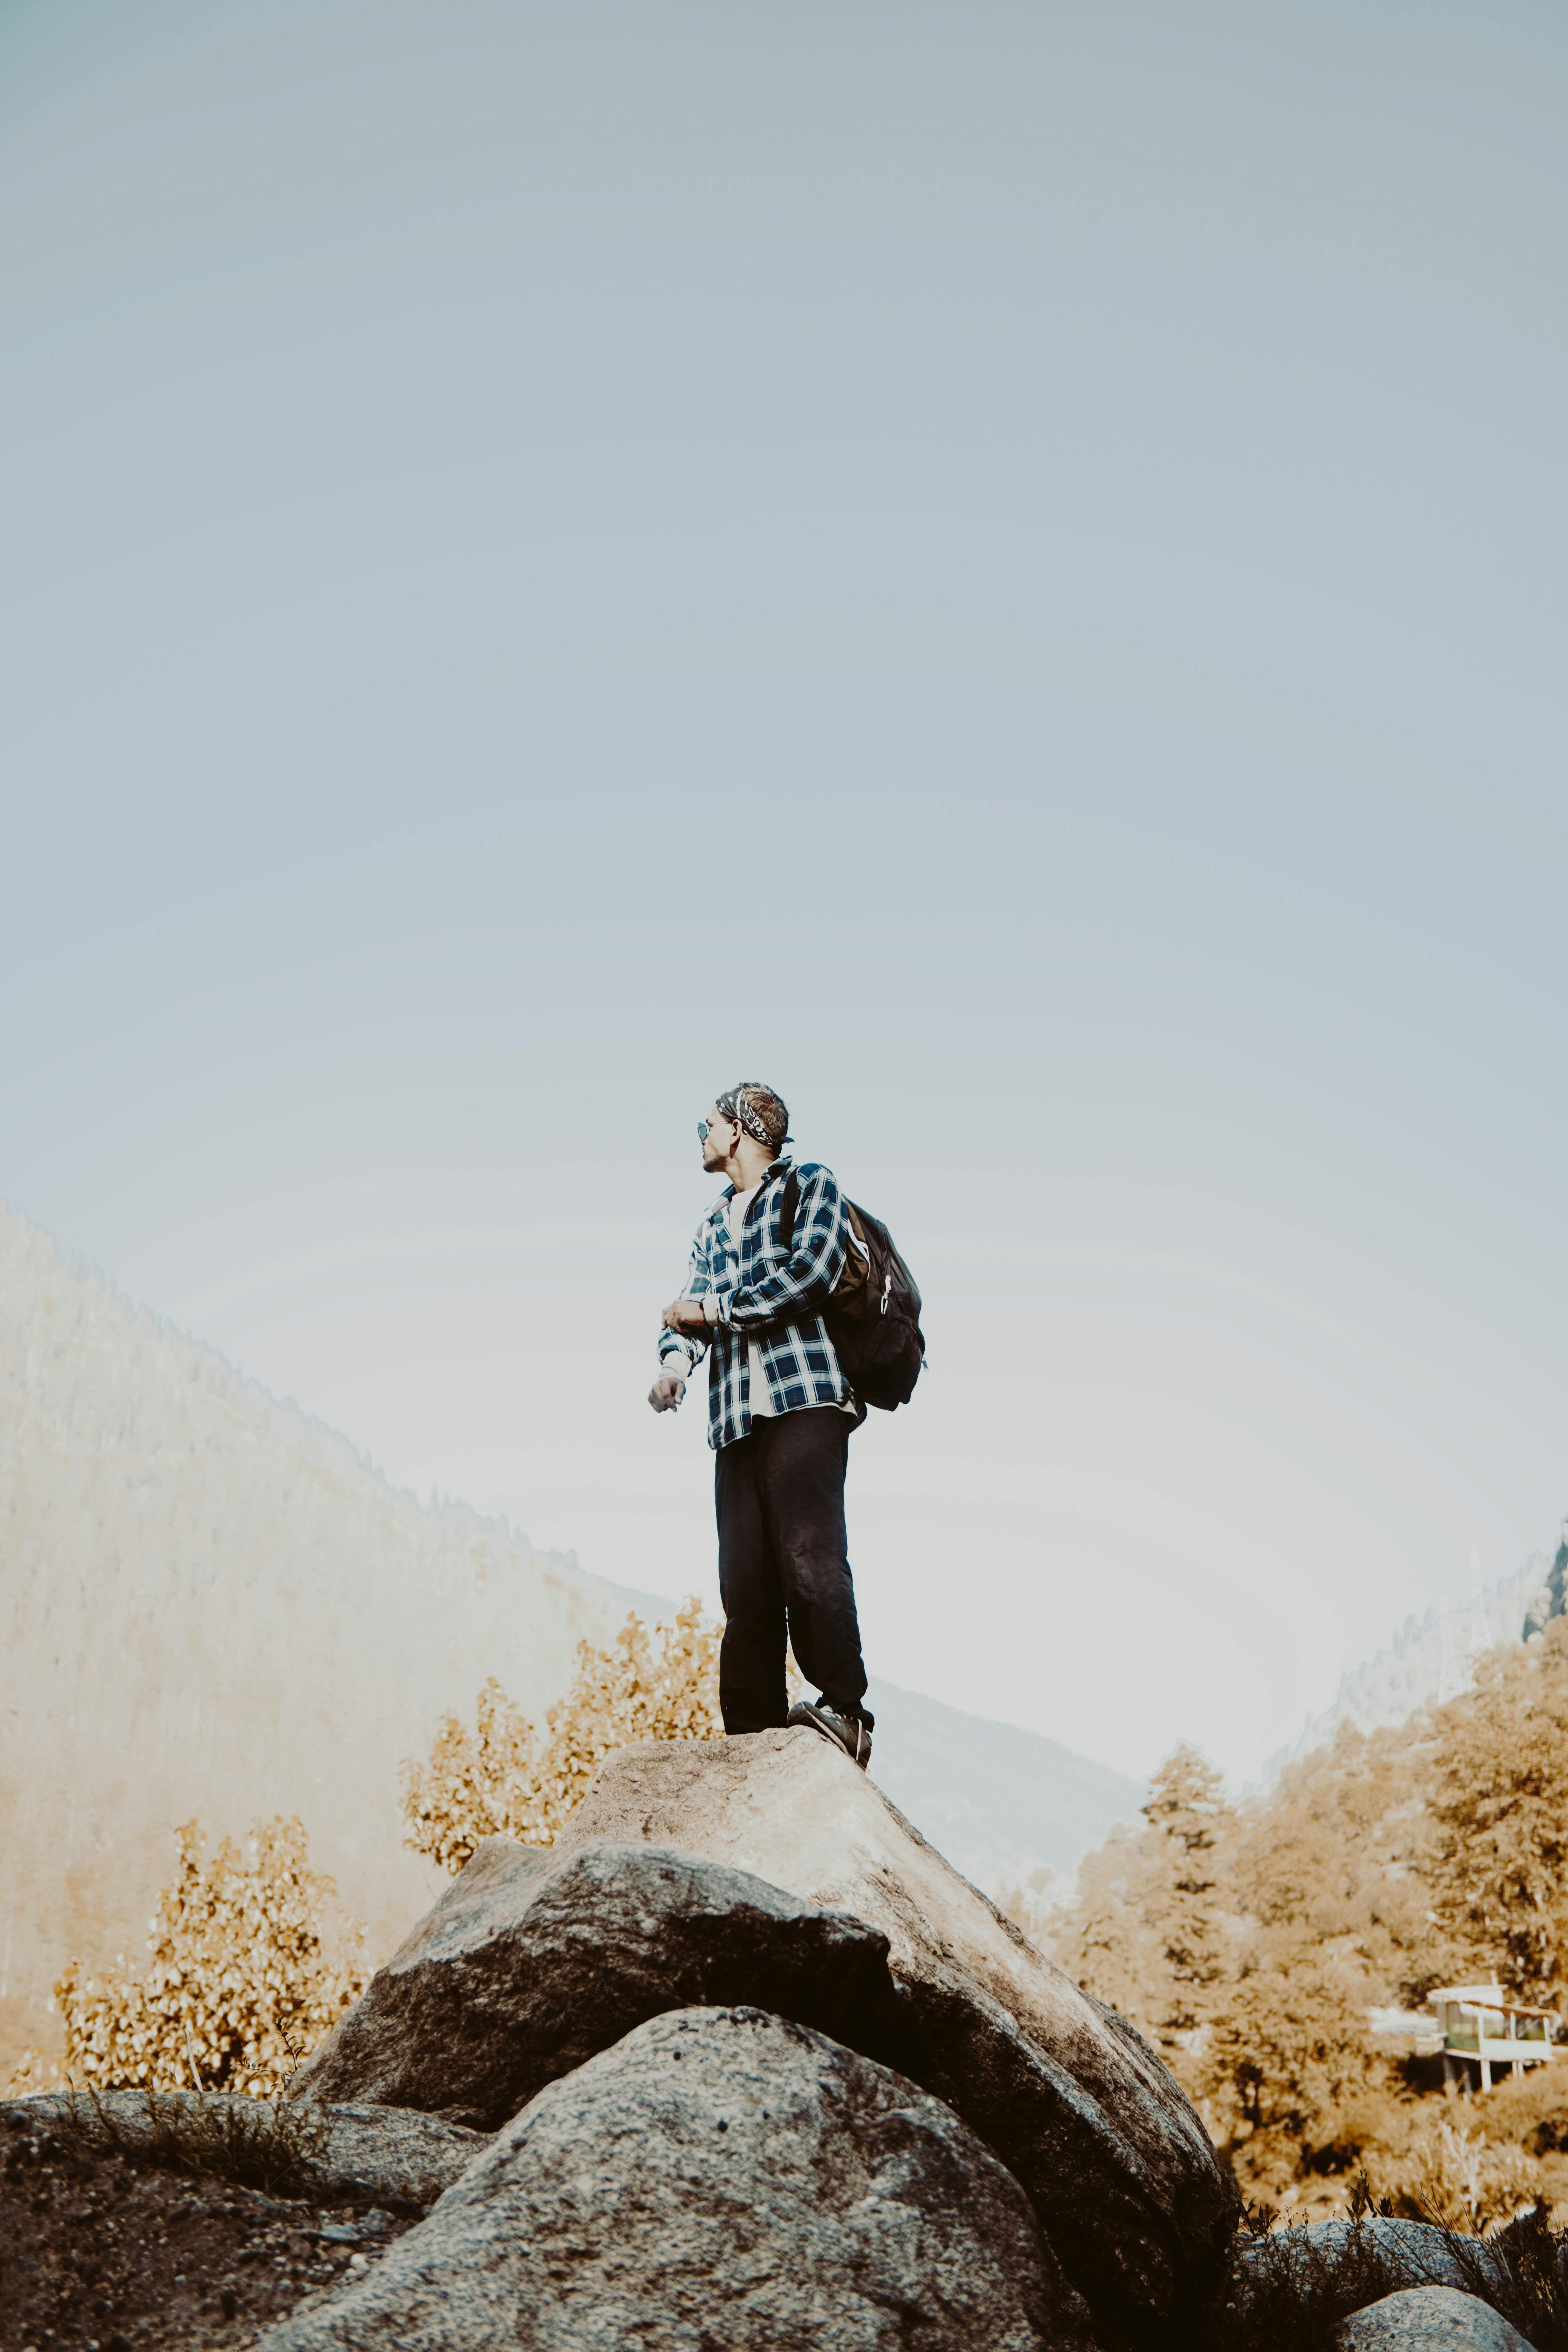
780, 1413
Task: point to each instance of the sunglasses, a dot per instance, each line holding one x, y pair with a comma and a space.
704, 1128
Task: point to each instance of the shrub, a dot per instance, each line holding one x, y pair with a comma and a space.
503, 1780
246, 1977
1454, 2174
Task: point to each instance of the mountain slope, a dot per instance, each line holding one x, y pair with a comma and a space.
997, 1800
210, 1604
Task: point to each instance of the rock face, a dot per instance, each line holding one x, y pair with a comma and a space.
1115, 2160
721, 2178
343, 2151
1428, 2319
531, 1962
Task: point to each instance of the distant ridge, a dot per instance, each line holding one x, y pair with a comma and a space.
1434, 1657
211, 1604
995, 1800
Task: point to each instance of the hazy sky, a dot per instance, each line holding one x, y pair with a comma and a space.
1002, 569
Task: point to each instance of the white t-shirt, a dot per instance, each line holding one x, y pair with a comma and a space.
762, 1401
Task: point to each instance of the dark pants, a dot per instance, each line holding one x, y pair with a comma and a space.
784, 1565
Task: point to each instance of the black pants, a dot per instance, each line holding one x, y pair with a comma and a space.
784, 1565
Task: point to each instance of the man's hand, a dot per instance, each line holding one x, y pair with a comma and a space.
684, 1315
667, 1392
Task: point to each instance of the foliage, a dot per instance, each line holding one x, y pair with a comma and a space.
246, 1976
1250, 1945
1452, 2174
1188, 1817
1287, 2042
1499, 1880
503, 1780
1147, 1932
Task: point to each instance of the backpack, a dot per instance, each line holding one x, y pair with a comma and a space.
873, 1318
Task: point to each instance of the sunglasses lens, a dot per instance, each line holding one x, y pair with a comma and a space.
701, 1130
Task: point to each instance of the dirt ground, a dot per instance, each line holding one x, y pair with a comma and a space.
100, 2253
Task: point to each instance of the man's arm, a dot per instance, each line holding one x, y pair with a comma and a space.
816, 1261
683, 1330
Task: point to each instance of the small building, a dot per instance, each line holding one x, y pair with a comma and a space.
1483, 2027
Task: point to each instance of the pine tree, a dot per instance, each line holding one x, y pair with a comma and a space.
1187, 1810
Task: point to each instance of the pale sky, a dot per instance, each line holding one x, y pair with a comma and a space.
1000, 568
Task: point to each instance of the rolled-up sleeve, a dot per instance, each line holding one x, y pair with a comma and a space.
680, 1351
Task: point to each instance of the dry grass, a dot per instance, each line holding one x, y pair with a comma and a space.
1292, 2287
274, 2146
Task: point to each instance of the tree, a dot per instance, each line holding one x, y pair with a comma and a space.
1250, 1947
1146, 1932
1286, 2041
1187, 1810
1102, 1938
249, 1971
502, 1779
1500, 1876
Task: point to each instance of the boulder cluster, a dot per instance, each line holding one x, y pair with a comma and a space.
743, 2065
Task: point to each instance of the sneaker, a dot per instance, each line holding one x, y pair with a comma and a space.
846, 1731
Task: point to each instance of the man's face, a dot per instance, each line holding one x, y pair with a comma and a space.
719, 1140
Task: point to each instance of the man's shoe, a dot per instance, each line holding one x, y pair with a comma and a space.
846, 1731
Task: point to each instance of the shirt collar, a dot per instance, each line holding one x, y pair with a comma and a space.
774, 1168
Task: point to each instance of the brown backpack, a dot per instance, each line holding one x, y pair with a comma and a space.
873, 1318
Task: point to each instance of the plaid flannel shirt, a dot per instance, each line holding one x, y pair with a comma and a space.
763, 1293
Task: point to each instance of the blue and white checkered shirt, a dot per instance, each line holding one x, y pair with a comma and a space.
764, 1294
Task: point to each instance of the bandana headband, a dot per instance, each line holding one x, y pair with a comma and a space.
734, 1105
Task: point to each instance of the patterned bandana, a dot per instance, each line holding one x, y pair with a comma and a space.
734, 1105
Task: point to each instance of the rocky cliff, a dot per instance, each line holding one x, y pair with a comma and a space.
1433, 1656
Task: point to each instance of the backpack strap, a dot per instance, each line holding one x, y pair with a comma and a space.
787, 1208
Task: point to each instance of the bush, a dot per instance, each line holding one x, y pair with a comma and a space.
245, 1977
502, 1779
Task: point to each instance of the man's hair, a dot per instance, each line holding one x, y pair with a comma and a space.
761, 1112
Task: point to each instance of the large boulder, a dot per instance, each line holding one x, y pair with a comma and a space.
1114, 2158
387, 2154
721, 2178
533, 1961
1428, 2319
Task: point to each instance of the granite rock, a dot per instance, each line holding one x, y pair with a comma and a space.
725, 2178
1428, 2319
531, 1962
1115, 2159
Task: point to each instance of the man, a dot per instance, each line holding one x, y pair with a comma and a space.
780, 1412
